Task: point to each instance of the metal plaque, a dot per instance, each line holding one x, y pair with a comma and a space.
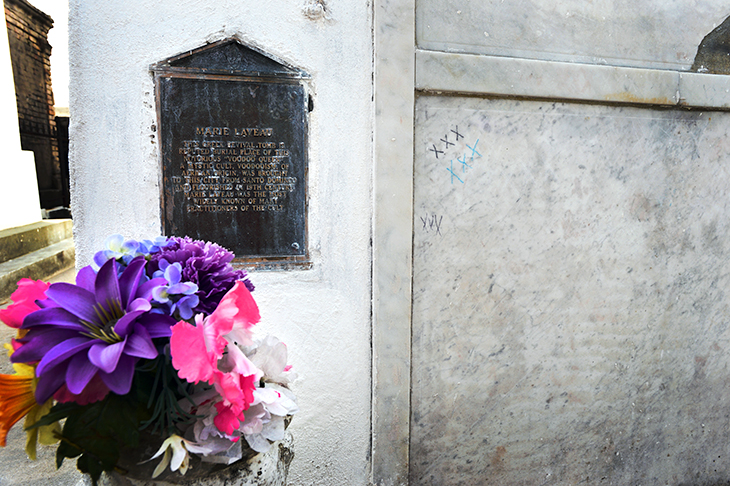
233, 135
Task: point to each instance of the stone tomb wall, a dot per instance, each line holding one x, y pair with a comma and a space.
570, 314
570, 321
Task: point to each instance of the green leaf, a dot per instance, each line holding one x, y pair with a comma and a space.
59, 412
118, 419
65, 449
90, 466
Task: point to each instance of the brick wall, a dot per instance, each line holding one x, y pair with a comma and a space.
30, 54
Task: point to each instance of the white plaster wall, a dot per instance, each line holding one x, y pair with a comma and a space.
18, 185
322, 313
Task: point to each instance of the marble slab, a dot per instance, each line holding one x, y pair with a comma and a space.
570, 309
704, 90
504, 76
645, 33
530, 78
393, 65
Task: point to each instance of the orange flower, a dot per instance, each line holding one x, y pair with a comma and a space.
16, 400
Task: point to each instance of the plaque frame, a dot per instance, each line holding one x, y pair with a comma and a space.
231, 61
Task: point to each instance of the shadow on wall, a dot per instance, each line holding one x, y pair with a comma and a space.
713, 54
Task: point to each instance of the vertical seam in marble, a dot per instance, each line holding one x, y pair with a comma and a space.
372, 240
394, 68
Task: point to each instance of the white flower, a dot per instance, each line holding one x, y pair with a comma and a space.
260, 429
263, 421
176, 448
270, 355
277, 399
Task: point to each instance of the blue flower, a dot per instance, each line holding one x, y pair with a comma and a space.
175, 295
126, 250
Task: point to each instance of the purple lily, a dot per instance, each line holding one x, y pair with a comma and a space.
87, 330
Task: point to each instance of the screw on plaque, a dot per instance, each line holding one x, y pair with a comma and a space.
295, 245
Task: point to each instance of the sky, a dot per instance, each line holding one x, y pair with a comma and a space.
58, 38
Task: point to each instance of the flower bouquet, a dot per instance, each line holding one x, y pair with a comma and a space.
154, 342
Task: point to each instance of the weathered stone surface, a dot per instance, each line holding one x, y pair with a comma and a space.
657, 35
18, 241
570, 314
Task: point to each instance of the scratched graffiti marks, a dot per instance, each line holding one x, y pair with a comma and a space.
460, 151
432, 223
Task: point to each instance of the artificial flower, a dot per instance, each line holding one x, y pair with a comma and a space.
266, 424
196, 350
117, 247
125, 251
205, 264
263, 421
238, 393
175, 450
270, 356
83, 334
208, 352
16, 400
204, 432
24, 301
176, 295
205, 378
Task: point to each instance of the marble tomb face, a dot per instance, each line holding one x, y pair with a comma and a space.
656, 35
569, 281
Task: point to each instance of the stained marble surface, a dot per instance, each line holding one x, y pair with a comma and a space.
505, 76
394, 66
570, 316
646, 33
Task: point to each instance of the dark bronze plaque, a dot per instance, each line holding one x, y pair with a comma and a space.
233, 133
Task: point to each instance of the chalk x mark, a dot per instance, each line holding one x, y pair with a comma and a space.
436, 151
453, 174
464, 165
474, 150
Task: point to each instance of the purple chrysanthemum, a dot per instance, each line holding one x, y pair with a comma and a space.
102, 326
205, 264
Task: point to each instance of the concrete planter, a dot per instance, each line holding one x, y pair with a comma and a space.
265, 469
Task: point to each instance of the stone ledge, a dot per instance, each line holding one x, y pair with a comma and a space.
39, 264
504, 76
15, 242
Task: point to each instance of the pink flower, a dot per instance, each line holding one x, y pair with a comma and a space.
195, 350
208, 351
227, 420
236, 314
24, 299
